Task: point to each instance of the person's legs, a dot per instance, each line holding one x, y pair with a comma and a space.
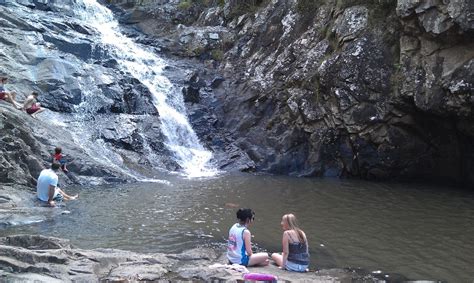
66, 196
258, 259
63, 166
10, 97
277, 258
13, 100
37, 112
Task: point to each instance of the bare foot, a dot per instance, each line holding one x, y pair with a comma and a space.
74, 197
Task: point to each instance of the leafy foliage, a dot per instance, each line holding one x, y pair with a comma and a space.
307, 7
187, 4
246, 6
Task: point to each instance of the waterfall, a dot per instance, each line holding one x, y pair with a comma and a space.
147, 67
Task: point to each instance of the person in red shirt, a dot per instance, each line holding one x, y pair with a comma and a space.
59, 157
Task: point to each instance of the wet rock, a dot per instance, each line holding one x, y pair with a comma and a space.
27, 145
61, 100
351, 23
216, 82
127, 95
82, 50
191, 94
437, 17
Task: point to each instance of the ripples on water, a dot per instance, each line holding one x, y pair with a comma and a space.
418, 231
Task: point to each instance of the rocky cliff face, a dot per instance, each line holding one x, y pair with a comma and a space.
374, 89
44, 48
364, 88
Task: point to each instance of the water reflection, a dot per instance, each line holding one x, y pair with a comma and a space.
418, 231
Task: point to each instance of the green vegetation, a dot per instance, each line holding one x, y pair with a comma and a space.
217, 54
380, 4
246, 6
187, 4
379, 9
308, 7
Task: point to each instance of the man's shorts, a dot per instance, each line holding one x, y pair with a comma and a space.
33, 109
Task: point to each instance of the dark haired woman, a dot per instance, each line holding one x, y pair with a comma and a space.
295, 255
239, 248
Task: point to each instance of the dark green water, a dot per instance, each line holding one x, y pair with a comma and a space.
419, 231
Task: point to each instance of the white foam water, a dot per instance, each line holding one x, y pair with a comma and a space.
147, 67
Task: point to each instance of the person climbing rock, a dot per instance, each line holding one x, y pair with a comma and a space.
59, 157
31, 105
47, 187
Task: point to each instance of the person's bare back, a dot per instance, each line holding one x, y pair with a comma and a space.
31, 105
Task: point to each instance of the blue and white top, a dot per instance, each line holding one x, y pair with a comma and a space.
236, 252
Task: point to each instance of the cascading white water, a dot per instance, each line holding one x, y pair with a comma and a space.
145, 66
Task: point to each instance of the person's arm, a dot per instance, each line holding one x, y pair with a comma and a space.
51, 190
285, 248
248, 243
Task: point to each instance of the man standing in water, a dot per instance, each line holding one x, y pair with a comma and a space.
47, 186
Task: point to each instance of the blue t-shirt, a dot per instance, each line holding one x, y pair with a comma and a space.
46, 178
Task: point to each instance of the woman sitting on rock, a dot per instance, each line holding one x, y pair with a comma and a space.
295, 255
239, 247
7, 96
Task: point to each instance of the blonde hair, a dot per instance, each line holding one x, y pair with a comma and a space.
290, 220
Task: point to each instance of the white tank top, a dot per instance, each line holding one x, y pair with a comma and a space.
235, 246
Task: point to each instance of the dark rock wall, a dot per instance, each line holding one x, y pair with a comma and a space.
373, 89
360, 88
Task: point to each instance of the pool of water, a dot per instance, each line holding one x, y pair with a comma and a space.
419, 231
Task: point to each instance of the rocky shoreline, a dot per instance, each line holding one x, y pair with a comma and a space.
26, 258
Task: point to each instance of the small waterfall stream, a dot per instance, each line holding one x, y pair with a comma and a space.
147, 67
